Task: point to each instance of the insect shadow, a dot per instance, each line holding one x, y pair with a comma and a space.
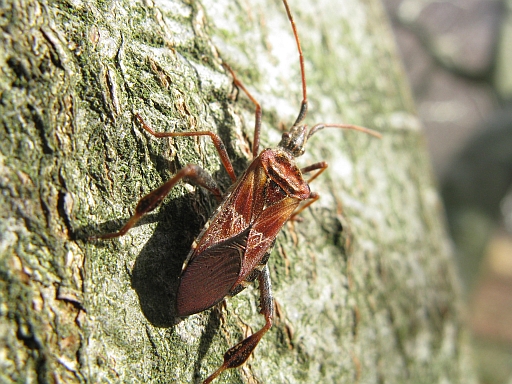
155, 274
156, 271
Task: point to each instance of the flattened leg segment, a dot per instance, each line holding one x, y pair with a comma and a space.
239, 354
153, 199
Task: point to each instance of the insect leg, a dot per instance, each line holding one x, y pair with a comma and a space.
149, 202
312, 198
219, 145
257, 120
239, 354
321, 166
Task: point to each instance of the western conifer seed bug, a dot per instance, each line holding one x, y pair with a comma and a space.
233, 248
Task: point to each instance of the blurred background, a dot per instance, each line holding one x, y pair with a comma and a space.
458, 57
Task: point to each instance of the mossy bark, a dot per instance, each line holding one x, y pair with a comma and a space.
365, 283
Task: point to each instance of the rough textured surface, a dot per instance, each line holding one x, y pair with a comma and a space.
365, 283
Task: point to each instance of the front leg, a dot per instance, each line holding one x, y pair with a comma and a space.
319, 168
239, 354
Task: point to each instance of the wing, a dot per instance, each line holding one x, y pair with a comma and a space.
263, 233
214, 264
238, 211
209, 275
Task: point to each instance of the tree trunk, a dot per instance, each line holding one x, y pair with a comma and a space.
365, 284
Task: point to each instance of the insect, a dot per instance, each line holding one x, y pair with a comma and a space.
233, 248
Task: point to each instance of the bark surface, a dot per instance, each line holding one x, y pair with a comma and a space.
365, 283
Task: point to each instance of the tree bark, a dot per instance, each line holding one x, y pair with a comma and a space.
365, 284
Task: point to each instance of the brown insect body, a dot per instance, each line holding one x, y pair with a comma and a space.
234, 246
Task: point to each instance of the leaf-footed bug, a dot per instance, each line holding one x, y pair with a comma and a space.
233, 248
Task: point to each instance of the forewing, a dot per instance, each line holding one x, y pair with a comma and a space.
263, 233
238, 211
209, 275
